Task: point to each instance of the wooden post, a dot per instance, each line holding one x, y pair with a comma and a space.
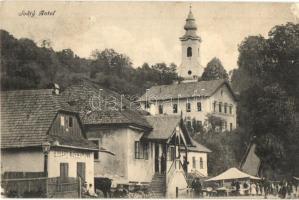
176, 192
79, 192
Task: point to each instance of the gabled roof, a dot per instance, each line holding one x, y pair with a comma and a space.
198, 147
117, 112
27, 115
232, 173
185, 90
163, 126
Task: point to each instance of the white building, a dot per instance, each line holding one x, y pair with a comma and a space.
193, 100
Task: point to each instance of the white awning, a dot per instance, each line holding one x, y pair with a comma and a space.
232, 173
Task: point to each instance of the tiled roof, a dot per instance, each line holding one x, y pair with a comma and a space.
163, 126
27, 115
184, 90
113, 109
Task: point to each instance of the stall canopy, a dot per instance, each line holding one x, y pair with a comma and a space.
232, 173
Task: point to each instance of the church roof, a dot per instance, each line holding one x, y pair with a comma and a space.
184, 90
190, 28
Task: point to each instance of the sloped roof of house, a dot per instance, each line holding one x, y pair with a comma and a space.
198, 147
114, 108
185, 90
27, 115
163, 126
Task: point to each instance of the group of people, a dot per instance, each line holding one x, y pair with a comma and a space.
263, 187
197, 188
282, 189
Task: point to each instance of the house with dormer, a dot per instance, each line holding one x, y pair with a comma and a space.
42, 134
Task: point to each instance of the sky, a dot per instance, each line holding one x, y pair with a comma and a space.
145, 31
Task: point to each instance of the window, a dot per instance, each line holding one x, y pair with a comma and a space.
188, 107
225, 125
145, 150
230, 126
214, 105
96, 154
193, 162
62, 120
201, 163
225, 108
220, 107
198, 106
230, 109
64, 170
81, 172
141, 150
137, 149
175, 108
189, 52
70, 122
189, 72
160, 109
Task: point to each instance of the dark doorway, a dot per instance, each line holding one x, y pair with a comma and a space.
156, 157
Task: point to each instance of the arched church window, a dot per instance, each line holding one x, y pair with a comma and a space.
189, 52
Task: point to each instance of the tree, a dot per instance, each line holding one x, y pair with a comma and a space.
214, 71
267, 79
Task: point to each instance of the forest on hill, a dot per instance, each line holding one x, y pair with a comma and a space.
25, 65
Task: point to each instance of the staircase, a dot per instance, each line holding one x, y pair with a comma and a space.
158, 185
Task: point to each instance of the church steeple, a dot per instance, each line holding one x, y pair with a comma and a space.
190, 68
190, 28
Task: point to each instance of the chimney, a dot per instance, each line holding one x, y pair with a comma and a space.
56, 89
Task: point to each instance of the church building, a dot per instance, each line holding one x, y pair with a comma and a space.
194, 100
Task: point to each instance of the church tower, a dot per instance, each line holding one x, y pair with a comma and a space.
190, 68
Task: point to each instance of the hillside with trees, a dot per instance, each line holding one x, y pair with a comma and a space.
25, 65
